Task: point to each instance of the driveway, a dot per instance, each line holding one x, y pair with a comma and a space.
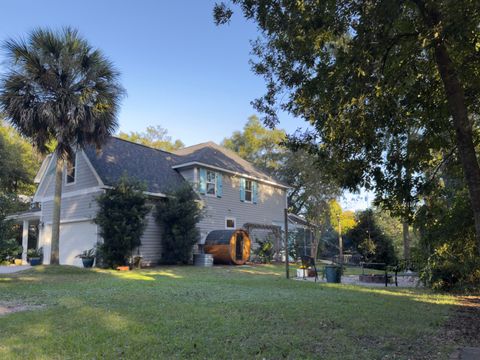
13, 269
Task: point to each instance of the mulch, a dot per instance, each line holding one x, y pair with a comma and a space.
463, 326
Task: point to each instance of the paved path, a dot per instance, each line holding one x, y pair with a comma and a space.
466, 353
13, 269
403, 281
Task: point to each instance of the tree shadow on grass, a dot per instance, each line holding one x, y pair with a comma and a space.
220, 313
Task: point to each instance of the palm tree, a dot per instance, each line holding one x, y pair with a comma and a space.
58, 88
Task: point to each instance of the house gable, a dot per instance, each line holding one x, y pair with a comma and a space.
85, 178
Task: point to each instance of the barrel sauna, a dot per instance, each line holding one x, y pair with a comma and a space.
228, 246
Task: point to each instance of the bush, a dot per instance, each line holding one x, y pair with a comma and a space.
265, 250
121, 218
447, 249
9, 247
452, 269
178, 216
9, 250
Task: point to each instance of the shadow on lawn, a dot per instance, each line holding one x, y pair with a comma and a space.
149, 314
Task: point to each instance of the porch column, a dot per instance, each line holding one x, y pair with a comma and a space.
24, 241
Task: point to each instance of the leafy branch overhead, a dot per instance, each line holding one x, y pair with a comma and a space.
388, 88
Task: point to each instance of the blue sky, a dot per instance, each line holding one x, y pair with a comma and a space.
180, 70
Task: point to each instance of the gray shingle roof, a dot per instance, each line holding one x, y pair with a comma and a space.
151, 166
154, 167
212, 154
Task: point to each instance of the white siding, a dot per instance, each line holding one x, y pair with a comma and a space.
151, 248
75, 207
84, 178
269, 209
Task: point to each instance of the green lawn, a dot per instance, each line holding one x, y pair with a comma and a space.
220, 312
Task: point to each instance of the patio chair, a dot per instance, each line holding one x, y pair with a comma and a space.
308, 261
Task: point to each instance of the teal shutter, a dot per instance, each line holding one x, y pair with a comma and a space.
254, 192
202, 184
242, 189
219, 185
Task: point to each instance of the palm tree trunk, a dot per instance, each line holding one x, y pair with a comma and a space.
57, 201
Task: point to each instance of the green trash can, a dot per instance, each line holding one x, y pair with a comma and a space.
333, 273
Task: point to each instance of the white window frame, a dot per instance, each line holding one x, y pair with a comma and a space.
234, 223
74, 174
249, 191
210, 182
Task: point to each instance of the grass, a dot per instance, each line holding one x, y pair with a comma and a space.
220, 312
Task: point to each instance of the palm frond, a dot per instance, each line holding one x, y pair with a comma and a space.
58, 87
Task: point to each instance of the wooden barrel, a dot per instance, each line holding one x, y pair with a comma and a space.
202, 259
228, 246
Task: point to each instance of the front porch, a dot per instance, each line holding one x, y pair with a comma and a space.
29, 227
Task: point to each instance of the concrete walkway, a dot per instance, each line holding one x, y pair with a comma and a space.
403, 281
466, 353
13, 268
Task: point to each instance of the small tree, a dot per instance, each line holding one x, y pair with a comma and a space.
9, 248
178, 216
121, 217
369, 239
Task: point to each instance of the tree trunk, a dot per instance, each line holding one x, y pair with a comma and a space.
458, 110
406, 241
314, 244
463, 128
57, 200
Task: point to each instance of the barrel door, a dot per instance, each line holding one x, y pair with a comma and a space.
239, 247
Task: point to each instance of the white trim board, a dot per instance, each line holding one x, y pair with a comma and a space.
69, 194
69, 221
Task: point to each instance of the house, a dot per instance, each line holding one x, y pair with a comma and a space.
234, 193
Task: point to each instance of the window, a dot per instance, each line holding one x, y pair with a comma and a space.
230, 223
70, 170
248, 191
211, 183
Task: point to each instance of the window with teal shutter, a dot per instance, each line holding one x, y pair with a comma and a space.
242, 189
202, 184
254, 192
219, 185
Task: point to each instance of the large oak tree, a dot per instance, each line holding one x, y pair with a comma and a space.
368, 74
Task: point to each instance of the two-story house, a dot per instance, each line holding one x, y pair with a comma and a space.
233, 191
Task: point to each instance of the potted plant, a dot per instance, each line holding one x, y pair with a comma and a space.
88, 257
35, 256
333, 273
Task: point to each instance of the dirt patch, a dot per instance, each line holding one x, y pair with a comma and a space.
463, 327
8, 308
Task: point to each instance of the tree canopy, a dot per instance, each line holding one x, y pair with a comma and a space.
154, 136
389, 88
261, 146
18, 160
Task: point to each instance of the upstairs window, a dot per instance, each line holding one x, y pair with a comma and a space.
211, 183
248, 191
70, 170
